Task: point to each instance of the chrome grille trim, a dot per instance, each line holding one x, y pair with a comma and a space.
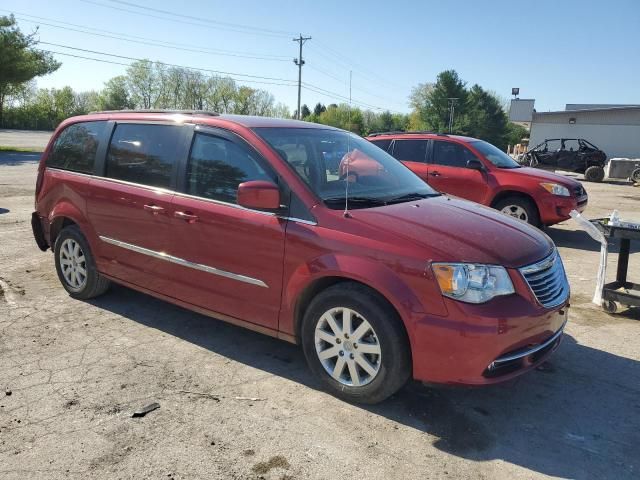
528, 351
547, 280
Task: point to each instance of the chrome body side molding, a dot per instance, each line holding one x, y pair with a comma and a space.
183, 262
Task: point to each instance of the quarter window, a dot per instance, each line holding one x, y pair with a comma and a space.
451, 154
410, 150
217, 166
75, 148
144, 154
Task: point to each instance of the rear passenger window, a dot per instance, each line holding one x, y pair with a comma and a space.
217, 166
75, 148
144, 154
383, 144
451, 154
410, 150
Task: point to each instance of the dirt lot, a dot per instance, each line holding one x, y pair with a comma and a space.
24, 138
235, 404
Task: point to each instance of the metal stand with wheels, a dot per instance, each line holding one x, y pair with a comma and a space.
621, 291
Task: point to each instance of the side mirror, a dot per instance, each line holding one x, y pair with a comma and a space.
259, 195
475, 165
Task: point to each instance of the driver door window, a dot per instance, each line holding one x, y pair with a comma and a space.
217, 166
451, 154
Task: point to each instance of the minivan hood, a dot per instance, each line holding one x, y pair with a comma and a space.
456, 230
543, 176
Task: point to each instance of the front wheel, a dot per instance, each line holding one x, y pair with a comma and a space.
635, 175
76, 266
521, 208
355, 343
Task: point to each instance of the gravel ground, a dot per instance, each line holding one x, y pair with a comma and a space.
236, 405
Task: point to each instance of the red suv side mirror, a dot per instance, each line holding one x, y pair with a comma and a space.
259, 195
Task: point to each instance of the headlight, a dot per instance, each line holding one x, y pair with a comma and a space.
471, 282
556, 189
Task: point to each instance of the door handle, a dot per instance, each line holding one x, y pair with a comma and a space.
434, 174
155, 209
188, 217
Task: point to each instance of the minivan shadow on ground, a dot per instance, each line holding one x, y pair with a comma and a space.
578, 417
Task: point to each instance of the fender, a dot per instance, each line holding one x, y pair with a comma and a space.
369, 272
66, 209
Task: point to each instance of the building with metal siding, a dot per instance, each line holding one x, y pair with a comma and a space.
614, 129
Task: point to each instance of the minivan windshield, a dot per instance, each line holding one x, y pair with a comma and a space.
333, 162
495, 155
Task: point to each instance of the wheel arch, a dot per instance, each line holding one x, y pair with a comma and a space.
304, 286
63, 214
514, 193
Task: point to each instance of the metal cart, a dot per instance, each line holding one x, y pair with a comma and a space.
621, 291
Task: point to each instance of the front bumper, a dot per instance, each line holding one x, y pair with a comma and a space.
555, 209
488, 343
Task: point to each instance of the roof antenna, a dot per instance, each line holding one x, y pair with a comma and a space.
346, 213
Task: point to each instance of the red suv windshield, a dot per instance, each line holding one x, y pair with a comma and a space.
330, 161
495, 155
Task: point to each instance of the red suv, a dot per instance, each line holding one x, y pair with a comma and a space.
379, 277
478, 171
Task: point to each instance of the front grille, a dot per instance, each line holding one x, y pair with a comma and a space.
547, 280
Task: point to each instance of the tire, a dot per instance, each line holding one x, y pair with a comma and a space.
594, 174
635, 175
392, 365
520, 208
71, 263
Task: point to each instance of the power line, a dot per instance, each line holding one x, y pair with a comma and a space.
165, 63
310, 87
218, 22
150, 41
102, 60
206, 23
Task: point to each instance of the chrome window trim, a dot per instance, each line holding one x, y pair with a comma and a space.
55, 169
300, 220
183, 262
185, 195
529, 351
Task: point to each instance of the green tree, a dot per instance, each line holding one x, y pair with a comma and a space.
304, 111
115, 95
19, 61
431, 103
484, 117
343, 116
318, 109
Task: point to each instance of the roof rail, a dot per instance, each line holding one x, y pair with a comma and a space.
400, 132
151, 110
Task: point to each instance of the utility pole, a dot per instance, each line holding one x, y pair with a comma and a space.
452, 102
300, 62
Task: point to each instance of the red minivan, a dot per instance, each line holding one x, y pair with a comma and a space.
478, 171
379, 277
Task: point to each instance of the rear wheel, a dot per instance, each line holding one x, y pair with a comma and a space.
76, 267
594, 174
354, 342
635, 175
520, 208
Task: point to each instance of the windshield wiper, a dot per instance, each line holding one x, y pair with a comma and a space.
359, 201
411, 197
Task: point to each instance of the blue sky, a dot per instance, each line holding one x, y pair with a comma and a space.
556, 51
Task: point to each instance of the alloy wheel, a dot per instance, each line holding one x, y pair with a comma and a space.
516, 211
348, 347
73, 264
